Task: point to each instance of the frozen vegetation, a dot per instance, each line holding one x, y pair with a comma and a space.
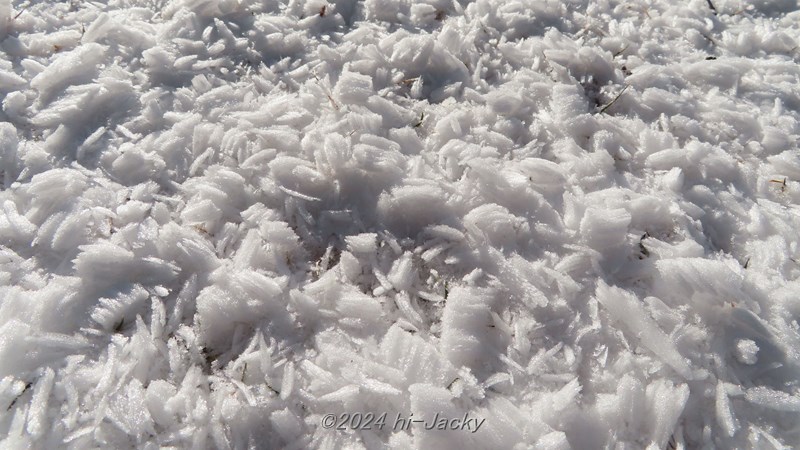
222, 220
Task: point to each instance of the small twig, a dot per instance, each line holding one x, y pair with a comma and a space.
27, 386
333, 102
781, 182
672, 444
621, 51
421, 118
713, 8
327, 93
483, 27
453, 382
644, 253
615, 99
19, 13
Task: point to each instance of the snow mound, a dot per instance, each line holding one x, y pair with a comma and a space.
222, 220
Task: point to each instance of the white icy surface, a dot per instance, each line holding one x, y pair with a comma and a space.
221, 220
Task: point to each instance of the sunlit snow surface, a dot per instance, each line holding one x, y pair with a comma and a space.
223, 219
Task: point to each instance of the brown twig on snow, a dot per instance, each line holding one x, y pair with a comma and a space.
781, 182
615, 99
713, 8
327, 93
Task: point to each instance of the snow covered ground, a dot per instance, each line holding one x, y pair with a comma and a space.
223, 220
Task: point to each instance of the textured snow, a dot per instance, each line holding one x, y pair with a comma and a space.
221, 220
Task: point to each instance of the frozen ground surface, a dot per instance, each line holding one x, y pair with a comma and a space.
223, 219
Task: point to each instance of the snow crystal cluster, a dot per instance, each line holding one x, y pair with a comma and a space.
224, 219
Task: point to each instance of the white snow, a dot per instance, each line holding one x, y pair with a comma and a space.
577, 221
